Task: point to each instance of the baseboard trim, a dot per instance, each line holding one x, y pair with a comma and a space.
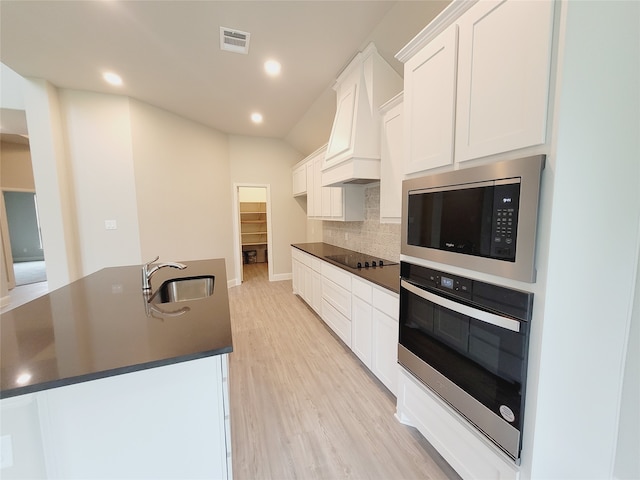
279, 277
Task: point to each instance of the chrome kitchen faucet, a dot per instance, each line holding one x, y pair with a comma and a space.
147, 274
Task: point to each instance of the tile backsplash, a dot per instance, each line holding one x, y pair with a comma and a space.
370, 236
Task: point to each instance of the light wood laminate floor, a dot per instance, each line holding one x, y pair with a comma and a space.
302, 405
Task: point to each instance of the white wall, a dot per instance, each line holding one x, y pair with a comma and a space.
98, 130
256, 160
591, 263
12, 91
183, 187
54, 184
165, 180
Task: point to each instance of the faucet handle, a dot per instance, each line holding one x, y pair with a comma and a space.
154, 260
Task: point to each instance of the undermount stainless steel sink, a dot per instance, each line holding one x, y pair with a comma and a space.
183, 289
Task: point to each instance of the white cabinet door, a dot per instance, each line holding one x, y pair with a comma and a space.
340, 324
391, 161
317, 186
326, 202
361, 330
504, 61
336, 200
311, 190
385, 350
296, 272
313, 166
308, 285
429, 103
316, 295
300, 180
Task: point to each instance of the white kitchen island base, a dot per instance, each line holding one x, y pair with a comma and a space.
164, 422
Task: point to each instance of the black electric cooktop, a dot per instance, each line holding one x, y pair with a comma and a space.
360, 260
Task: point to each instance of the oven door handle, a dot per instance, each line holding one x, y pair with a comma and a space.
486, 317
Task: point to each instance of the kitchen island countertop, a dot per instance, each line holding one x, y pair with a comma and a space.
101, 325
387, 276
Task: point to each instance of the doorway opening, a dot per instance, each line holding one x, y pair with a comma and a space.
24, 247
253, 229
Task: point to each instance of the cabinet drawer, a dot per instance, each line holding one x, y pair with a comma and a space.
337, 322
296, 254
387, 302
337, 296
336, 275
316, 264
307, 259
361, 288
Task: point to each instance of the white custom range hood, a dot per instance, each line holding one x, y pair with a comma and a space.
353, 153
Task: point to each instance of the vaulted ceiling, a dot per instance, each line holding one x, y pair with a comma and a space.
168, 53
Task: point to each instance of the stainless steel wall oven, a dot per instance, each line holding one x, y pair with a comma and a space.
468, 342
481, 218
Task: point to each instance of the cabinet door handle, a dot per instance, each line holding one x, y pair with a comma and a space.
487, 317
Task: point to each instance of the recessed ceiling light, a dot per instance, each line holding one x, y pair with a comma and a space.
112, 78
256, 117
272, 67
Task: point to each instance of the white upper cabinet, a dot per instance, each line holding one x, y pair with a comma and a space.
391, 160
353, 152
311, 189
300, 180
477, 82
504, 62
429, 107
343, 204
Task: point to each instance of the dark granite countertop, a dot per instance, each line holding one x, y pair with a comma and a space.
100, 326
387, 276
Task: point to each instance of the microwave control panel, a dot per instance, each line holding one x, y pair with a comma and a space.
506, 199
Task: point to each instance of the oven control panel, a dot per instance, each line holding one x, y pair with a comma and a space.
511, 302
452, 284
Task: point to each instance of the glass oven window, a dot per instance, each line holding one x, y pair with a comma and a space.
484, 360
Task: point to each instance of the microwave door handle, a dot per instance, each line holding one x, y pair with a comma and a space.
486, 317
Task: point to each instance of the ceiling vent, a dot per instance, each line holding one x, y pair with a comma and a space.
234, 40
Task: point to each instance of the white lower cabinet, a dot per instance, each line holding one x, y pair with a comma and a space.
362, 330
316, 294
461, 445
363, 315
343, 204
307, 278
375, 330
297, 268
336, 301
385, 347
340, 324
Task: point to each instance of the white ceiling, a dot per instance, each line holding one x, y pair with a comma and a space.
168, 52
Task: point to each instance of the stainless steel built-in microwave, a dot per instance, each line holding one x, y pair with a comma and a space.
480, 218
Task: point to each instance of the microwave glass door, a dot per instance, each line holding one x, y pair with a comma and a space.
479, 219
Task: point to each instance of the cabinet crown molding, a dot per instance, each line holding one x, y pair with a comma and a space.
353, 64
447, 17
392, 102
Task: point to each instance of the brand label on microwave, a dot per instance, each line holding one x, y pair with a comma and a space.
507, 413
